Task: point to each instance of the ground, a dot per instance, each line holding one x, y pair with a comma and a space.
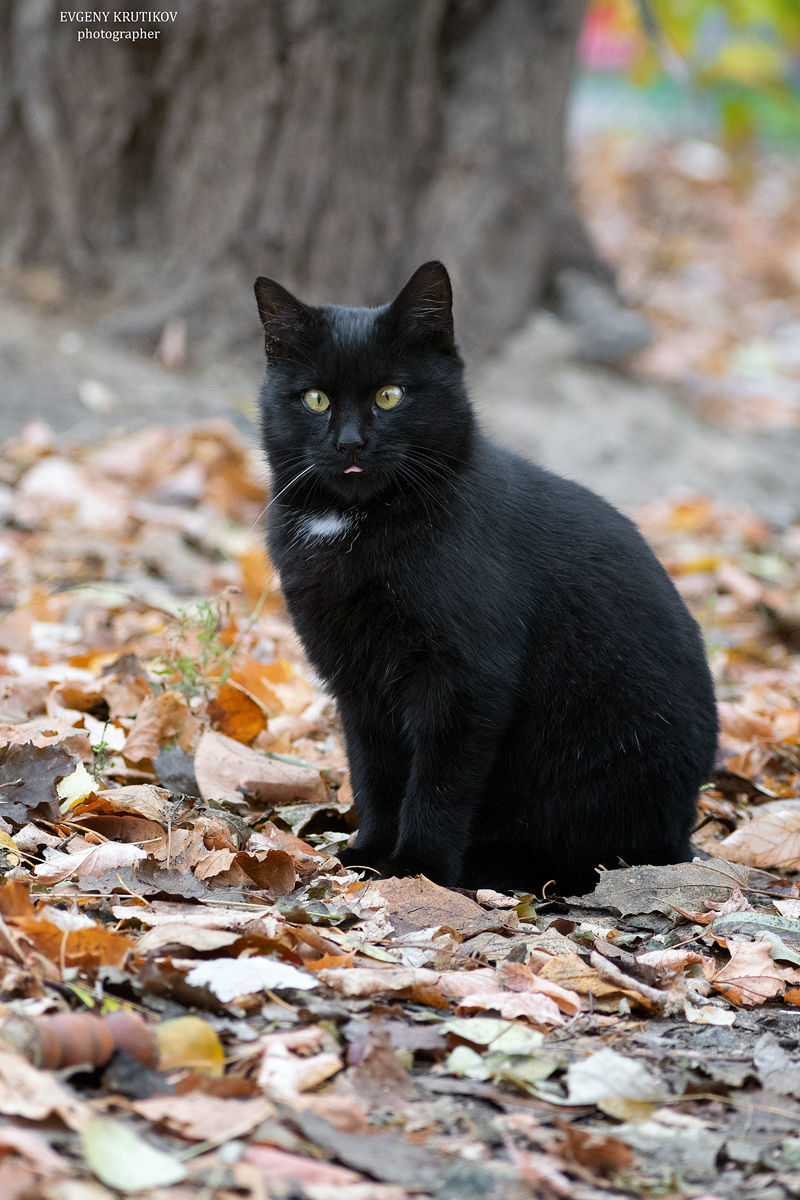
197, 1000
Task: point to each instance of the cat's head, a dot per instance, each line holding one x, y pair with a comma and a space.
361, 402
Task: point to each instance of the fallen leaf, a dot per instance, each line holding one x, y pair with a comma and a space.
750, 977
608, 1075
34, 1148
273, 872
28, 1092
605, 1155
418, 903
159, 720
75, 787
667, 961
635, 890
295, 1061
200, 1117
144, 800
223, 766
228, 978
175, 935
572, 973
109, 856
519, 977
279, 1164
375, 981
91, 946
123, 1160
770, 839
190, 1042
385, 1156
708, 1014
29, 775
539, 1008
235, 714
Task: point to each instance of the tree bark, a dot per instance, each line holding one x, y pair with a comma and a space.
332, 144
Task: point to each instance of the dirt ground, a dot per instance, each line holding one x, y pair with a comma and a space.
628, 438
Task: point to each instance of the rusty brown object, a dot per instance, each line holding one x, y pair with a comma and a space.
68, 1039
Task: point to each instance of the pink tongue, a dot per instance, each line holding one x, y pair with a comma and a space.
349, 469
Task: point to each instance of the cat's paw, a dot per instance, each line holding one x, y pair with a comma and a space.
402, 868
356, 856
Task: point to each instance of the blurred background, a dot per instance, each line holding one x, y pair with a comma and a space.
614, 187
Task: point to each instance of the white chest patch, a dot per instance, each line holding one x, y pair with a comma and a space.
323, 529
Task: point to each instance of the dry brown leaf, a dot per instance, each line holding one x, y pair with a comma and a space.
200, 1117
184, 848
572, 973
279, 1164
161, 938
750, 977
141, 799
35, 1149
273, 872
28, 1092
770, 839
374, 981
456, 984
284, 1074
159, 720
125, 688
520, 977
126, 828
235, 714
667, 961
223, 765
109, 856
92, 946
605, 1155
306, 859
418, 903
538, 1008
214, 863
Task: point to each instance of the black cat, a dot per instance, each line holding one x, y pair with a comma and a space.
523, 693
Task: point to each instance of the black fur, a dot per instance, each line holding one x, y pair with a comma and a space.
523, 693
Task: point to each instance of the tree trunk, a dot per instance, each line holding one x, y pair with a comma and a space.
332, 144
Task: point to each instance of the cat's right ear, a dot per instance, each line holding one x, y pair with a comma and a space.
285, 319
424, 308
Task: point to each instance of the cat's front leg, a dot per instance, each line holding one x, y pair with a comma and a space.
378, 776
449, 770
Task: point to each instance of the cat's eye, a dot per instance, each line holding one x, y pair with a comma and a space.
389, 397
316, 401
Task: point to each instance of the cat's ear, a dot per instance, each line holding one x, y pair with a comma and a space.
424, 308
285, 319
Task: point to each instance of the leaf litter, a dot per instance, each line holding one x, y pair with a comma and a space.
174, 794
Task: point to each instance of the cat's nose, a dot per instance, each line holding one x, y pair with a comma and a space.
350, 438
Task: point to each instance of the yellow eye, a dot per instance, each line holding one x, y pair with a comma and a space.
316, 401
388, 397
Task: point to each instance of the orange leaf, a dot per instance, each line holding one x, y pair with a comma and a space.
235, 714
15, 900
251, 675
89, 947
750, 977
331, 960
157, 721
258, 576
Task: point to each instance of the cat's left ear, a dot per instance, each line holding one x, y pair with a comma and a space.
424, 308
285, 319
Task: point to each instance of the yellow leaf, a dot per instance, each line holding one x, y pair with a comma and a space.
75, 787
190, 1042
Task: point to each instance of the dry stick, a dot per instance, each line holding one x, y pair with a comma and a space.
611, 974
